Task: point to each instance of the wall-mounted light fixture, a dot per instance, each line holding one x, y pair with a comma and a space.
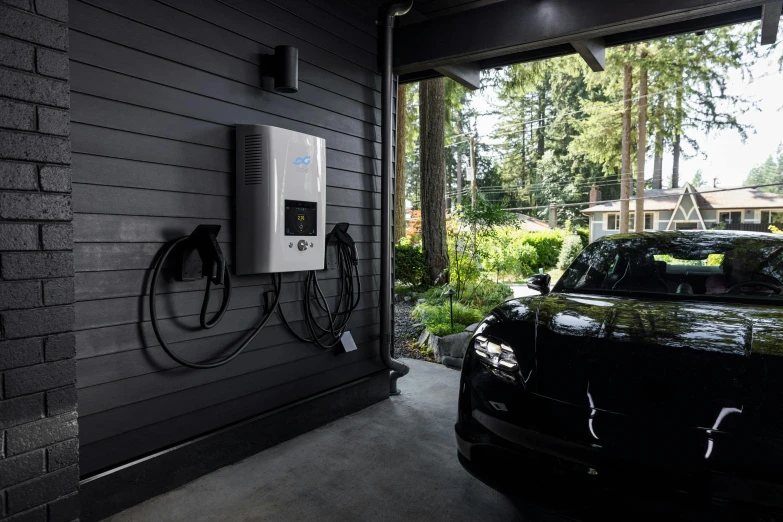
283, 66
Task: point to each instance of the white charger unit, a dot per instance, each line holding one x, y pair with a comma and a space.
280, 200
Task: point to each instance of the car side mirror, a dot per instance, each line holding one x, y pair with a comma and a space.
539, 283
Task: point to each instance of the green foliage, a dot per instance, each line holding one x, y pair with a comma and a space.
487, 294
561, 124
775, 230
434, 295
436, 317
711, 260
409, 265
572, 245
469, 232
584, 235
547, 245
519, 253
507, 253
698, 179
483, 294
771, 171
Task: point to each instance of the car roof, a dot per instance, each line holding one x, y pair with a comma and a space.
722, 234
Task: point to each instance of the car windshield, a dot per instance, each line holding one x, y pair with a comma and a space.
703, 265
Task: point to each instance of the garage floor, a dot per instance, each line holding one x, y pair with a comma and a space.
396, 460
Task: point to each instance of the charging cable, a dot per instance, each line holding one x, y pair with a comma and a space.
329, 334
205, 323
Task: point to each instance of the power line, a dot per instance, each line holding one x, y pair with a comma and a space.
499, 189
562, 205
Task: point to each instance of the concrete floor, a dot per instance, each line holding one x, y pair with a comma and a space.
396, 460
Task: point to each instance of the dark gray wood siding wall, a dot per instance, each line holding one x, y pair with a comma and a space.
157, 87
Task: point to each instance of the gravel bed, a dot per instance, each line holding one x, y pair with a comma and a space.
406, 331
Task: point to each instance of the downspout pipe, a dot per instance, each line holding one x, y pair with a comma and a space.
386, 26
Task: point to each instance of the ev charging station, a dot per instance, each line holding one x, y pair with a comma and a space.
280, 224
280, 200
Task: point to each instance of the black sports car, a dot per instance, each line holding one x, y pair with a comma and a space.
654, 366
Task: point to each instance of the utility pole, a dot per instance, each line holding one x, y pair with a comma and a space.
642, 145
459, 177
474, 185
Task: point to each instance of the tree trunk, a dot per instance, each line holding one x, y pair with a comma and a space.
641, 147
657, 182
676, 162
399, 180
432, 110
678, 130
541, 136
625, 169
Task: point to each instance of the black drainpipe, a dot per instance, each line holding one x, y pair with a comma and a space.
386, 24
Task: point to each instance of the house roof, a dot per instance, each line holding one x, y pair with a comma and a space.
709, 199
532, 224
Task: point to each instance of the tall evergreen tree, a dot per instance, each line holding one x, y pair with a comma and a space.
641, 147
771, 171
400, 185
432, 113
625, 165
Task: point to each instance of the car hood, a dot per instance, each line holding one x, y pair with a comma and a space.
692, 363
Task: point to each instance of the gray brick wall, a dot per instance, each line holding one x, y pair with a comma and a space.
39, 448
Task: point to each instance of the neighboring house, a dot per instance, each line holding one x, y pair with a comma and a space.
688, 209
532, 224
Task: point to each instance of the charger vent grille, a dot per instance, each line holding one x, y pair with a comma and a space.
254, 160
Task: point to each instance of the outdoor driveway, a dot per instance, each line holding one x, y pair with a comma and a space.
396, 460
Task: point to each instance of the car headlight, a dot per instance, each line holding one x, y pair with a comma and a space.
495, 352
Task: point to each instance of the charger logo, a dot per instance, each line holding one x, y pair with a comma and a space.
302, 161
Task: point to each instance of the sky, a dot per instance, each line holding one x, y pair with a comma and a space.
723, 154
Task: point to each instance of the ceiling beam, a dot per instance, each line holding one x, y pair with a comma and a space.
518, 26
592, 51
689, 26
770, 19
466, 74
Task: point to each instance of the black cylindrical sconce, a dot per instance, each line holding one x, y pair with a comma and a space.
286, 69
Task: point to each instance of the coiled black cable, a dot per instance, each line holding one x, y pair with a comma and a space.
205, 323
330, 334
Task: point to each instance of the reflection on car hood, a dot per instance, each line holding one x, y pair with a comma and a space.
675, 361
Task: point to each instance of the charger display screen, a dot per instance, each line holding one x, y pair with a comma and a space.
301, 218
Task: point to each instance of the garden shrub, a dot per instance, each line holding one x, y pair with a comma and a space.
437, 319
547, 245
572, 245
526, 259
483, 295
486, 294
507, 253
409, 265
584, 235
470, 231
435, 295
522, 253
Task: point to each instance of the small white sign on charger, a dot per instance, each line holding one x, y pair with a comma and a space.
347, 343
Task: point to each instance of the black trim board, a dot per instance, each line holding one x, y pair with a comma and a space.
112, 491
613, 40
